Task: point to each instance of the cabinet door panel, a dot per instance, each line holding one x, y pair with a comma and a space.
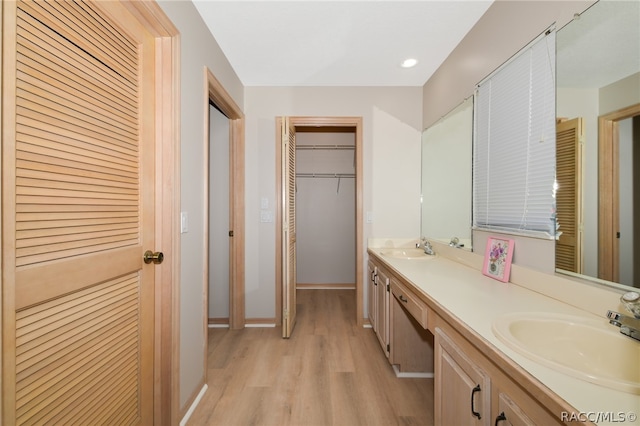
462, 390
510, 414
372, 296
382, 319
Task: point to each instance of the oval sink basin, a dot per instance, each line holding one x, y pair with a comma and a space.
587, 349
406, 253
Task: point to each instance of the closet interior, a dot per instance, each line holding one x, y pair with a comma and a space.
325, 207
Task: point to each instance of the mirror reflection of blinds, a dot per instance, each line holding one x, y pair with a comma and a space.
514, 143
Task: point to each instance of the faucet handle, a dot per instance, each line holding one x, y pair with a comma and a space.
631, 301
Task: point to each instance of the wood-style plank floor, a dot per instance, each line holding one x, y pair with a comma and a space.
330, 372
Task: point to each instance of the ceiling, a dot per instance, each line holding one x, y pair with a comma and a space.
338, 43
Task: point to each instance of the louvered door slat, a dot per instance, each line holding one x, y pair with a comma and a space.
29, 238
90, 89
67, 144
42, 41
64, 316
67, 105
34, 216
88, 92
107, 45
75, 165
58, 399
45, 251
35, 229
32, 171
78, 185
85, 336
55, 370
60, 21
57, 116
101, 400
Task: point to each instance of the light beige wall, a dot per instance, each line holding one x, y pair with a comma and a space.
198, 49
621, 94
506, 27
391, 155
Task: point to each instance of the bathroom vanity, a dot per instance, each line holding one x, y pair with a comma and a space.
439, 315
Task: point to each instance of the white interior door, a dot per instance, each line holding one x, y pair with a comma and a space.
288, 228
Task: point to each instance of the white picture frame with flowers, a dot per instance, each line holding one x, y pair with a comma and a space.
497, 258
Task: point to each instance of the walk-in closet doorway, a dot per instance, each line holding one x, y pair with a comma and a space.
325, 208
322, 159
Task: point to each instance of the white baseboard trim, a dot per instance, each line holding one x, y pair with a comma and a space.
218, 325
402, 375
195, 403
260, 325
367, 326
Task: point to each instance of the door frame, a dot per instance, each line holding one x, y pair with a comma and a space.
356, 123
214, 92
608, 189
167, 209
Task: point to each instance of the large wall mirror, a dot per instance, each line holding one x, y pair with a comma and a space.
598, 143
446, 177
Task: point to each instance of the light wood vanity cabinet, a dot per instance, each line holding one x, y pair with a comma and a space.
400, 322
471, 390
474, 384
371, 293
379, 290
410, 341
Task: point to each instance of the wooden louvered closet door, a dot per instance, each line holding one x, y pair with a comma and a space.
568, 196
77, 200
289, 278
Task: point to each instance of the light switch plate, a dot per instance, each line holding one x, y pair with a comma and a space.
369, 218
184, 222
266, 216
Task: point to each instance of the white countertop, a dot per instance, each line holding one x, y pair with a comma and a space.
477, 300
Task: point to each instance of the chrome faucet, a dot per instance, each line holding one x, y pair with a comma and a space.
426, 246
455, 242
629, 326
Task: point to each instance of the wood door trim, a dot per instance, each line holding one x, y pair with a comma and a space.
167, 275
355, 122
215, 92
608, 190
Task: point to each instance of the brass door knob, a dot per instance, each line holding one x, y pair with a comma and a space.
155, 257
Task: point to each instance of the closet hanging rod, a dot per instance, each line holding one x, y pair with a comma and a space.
326, 147
325, 175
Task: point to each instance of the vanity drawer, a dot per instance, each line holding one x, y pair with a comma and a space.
417, 308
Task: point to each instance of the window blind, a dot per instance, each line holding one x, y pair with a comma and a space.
514, 143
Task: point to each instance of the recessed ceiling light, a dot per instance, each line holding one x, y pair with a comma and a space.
408, 63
